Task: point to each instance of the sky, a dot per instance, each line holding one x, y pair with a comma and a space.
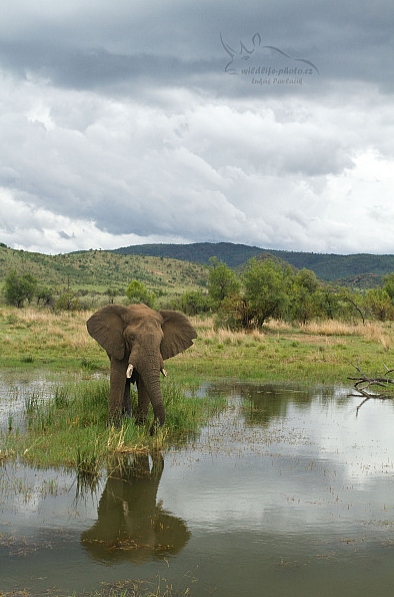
264, 123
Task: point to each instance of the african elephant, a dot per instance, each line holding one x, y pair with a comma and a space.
131, 525
137, 340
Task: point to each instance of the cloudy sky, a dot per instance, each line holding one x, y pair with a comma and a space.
269, 123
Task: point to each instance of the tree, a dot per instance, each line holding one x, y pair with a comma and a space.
348, 302
233, 313
379, 303
222, 281
68, 301
44, 296
306, 278
327, 301
19, 288
137, 292
303, 300
266, 290
388, 285
194, 302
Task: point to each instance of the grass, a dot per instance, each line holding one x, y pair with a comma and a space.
70, 429
157, 587
318, 351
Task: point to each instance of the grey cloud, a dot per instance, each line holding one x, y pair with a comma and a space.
176, 44
122, 125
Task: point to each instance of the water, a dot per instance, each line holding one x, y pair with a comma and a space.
288, 492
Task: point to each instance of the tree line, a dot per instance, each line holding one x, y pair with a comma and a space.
270, 288
266, 288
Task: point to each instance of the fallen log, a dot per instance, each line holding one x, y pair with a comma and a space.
365, 384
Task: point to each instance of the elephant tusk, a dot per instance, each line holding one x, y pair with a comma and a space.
129, 371
164, 372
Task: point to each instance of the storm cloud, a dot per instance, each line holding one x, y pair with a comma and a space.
267, 124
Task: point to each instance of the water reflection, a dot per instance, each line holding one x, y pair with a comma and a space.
286, 492
131, 525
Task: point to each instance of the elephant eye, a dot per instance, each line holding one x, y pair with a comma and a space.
129, 337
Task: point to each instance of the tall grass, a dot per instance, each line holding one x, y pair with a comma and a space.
70, 428
33, 338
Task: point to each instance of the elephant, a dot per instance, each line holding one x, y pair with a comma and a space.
131, 525
138, 340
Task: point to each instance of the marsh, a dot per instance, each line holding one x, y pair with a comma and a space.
288, 491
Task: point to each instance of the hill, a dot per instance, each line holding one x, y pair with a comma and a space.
231, 254
98, 270
175, 268
359, 270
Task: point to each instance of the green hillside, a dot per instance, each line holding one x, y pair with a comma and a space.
232, 254
175, 268
100, 270
361, 270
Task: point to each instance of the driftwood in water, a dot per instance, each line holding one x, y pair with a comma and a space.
369, 387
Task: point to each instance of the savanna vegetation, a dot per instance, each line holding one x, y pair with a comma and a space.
361, 270
265, 322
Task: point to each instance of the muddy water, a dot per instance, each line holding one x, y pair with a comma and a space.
286, 493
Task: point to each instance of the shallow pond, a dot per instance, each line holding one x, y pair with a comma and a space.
288, 492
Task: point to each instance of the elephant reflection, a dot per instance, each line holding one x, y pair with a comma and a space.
130, 525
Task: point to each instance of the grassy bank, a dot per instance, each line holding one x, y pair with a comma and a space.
318, 351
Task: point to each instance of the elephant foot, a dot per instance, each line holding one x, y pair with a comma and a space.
115, 422
115, 417
140, 419
155, 426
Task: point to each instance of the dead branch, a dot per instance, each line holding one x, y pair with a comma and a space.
364, 385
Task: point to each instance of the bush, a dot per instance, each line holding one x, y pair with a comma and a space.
233, 314
137, 292
68, 301
379, 305
194, 302
19, 288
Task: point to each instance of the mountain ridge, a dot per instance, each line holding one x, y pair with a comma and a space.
359, 269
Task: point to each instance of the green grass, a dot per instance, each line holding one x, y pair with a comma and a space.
319, 352
70, 429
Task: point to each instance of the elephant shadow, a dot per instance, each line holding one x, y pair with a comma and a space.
131, 525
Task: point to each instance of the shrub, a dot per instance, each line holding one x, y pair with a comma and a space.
19, 288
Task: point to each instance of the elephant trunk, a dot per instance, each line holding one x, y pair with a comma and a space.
152, 383
149, 387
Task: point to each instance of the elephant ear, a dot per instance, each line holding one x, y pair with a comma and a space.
178, 334
106, 326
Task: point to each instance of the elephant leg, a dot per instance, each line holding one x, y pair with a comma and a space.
126, 399
117, 391
141, 413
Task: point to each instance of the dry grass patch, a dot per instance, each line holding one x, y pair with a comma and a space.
331, 327
379, 333
224, 336
40, 333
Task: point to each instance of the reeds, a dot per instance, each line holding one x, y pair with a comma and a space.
70, 428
